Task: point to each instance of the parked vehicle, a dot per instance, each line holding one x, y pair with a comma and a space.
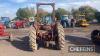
81, 21
3, 33
47, 30
19, 24
65, 21
5, 21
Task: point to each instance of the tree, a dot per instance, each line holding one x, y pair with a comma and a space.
88, 11
59, 12
25, 13
41, 14
97, 15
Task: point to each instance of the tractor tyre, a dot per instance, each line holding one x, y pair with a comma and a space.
95, 36
32, 38
61, 37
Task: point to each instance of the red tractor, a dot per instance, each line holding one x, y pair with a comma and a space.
19, 24
3, 33
48, 29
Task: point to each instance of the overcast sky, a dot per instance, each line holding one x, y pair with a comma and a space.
9, 7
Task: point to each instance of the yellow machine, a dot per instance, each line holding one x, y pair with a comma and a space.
82, 21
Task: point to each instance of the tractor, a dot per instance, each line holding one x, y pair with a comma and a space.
19, 24
46, 30
5, 21
3, 33
82, 21
64, 21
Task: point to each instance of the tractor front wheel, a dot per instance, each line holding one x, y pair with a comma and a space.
32, 38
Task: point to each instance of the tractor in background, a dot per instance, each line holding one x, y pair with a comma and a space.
65, 21
26, 22
19, 24
5, 21
81, 21
46, 30
3, 33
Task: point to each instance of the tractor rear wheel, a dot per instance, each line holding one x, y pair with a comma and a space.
32, 38
61, 36
95, 36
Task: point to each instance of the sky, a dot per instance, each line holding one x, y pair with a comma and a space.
8, 8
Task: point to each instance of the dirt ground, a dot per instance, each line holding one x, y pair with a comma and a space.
74, 36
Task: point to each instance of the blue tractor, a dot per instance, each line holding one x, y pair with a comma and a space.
5, 21
65, 21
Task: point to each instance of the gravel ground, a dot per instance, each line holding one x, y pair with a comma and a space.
74, 36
